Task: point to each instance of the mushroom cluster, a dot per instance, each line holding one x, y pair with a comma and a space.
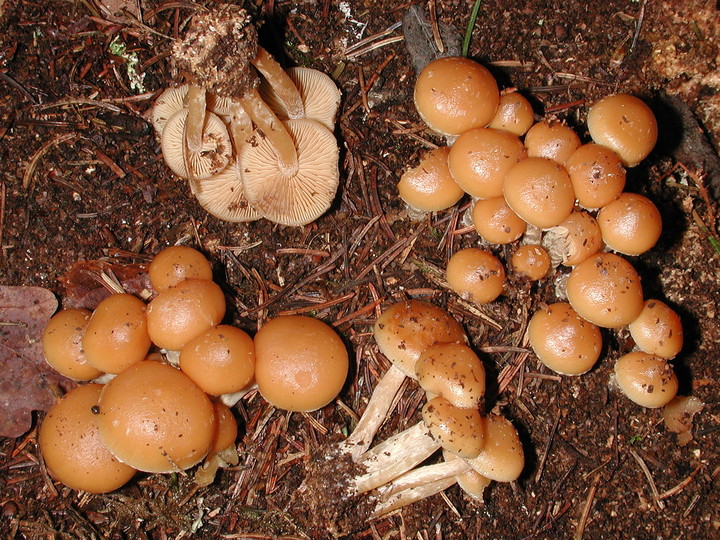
561, 202
253, 139
165, 374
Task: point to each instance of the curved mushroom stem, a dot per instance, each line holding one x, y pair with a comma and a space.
240, 127
280, 82
231, 399
205, 474
197, 107
273, 129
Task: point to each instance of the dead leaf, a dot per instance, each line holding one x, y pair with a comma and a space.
85, 288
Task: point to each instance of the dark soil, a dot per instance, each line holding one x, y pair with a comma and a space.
82, 179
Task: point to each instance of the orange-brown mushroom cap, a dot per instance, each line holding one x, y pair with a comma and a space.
495, 221
429, 187
631, 224
452, 371
597, 175
62, 344
551, 139
658, 330
514, 114
476, 275
646, 379
175, 264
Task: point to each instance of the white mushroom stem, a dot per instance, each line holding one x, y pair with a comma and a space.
273, 129
197, 107
241, 127
411, 495
205, 474
231, 399
375, 413
280, 82
426, 475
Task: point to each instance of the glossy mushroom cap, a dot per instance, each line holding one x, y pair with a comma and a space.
514, 114
62, 344
605, 289
300, 363
70, 444
452, 371
476, 275
540, 191
480, 158
531, 261
625, 124
564, 341
407, 329
597, 175
646, 379
155, 419
552, 140
223, 195
631, 224
221, 360
175, 264
183, 312
459, 430
471, 482
430, 187
454, 94
227, 428
495, 221
503, 458
657, 330
117, 335
575, 239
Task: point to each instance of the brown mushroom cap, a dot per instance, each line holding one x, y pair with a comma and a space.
71, 446
540, 191
117, 334
476, 275
552, 140
430, 187
459, 430
183, 312
480, 158
62, 344
155, 419
495, 221
407, 329
452, 371
564, 341
223, 195
294, 197
531, 261
175, 264
625, 124
502, 459
455, 94
597, 175
221, 360
514, 114
605, 289
631, 224
646, 379
300, 363
227, 428
575, 239
657, 330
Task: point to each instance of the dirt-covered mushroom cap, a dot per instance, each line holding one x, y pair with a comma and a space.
300, 363
221, 360
62, 344
502, 459
625, 124
605, 289
531, 261
459, 430
223, 195
631, 224
658, 330
476, 275
564, 341
292, 197
480, 158
514, 114
597, 175
551, 139
452, 371
575, 239
455, 94
495, 221
406, 329
429, 187
175, 264
70, 444
539, 190
117, 334
155, 419
646, 379
183, 312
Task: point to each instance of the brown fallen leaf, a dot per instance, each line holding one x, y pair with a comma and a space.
28, 383
85, 287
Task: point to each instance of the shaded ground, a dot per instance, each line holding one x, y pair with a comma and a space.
71, 129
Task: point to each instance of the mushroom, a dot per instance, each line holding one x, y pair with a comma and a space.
301, 364
223, 195
625, 124
452, 371
646, 379
531, 261
631, 224
476, 275
551, 139
514, 114
597, 175
283, 87
495, 221
71, 447
605, 289
563, 341
657, 330
62, 344
454, 94
480, 158
169, 102
223, 452
540, 191
155, 419
429, 187
175, 264
117, 334
678, 416
573, 240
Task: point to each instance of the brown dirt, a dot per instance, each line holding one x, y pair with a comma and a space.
98, 188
